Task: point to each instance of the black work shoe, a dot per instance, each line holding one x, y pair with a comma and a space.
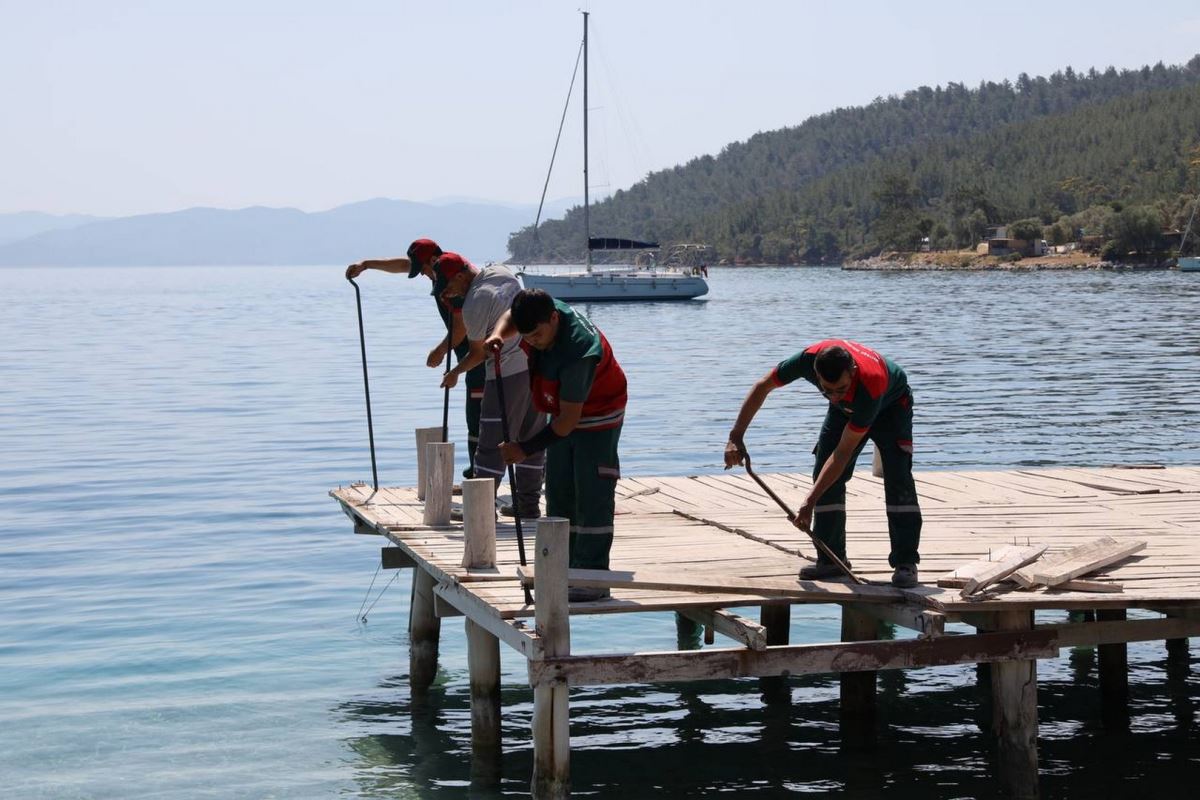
508, 511
905, 576
584, 594
822, 570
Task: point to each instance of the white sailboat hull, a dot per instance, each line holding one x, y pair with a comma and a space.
1189, 263
618, 285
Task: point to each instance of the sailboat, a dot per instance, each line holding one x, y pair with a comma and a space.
620, 283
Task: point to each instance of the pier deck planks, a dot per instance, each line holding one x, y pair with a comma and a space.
723, 523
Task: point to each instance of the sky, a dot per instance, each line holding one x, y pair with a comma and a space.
120, 107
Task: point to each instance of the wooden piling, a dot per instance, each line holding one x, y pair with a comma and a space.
551, 733
858, 699
1177, 652
439, 475
479, 523
424, 436
424, 631
777, 619
1014, 713
1114, 674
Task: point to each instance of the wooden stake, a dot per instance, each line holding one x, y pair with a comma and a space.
424, 437
439, 482
424, 631
551, 731
479, 523
1014, 713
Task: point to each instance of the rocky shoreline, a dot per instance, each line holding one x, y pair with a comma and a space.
967, 261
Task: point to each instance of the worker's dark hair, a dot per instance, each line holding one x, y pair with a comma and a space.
832, 362
530, 308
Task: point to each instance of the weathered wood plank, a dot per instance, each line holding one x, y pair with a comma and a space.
746, 631
807, 659
1084, 559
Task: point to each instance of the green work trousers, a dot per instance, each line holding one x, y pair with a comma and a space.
892, 434
581, 485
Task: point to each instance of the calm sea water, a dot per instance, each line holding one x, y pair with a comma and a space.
179, 595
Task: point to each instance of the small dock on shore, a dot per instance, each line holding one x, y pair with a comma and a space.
701, 545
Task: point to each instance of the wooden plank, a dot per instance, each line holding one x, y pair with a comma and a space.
1001, 569
1084, 559
922, 620
746, 631
807, 659
810, 591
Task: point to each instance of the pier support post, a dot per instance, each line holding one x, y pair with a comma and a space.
1014, 713
1177, 653
551, 733
1114, 675
439, 476
777, 619
424, 436
483, 665
483, 648
424, 631
858, 700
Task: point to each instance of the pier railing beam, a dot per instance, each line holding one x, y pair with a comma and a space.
424, 631
777, 619
1114, 675
424, 437
1014, 713
858, 699
483, 648
551, 732
439, 482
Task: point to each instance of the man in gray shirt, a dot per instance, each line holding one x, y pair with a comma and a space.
487, 294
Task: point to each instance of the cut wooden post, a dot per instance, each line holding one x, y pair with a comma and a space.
551, 732
424, 437
424, 630
857, 714
1014, 713
1177, 651
439, 478
479, 523
483, 665
777, 622
1114, 674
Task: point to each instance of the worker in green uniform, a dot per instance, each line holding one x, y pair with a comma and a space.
426, 258
869, 398
575, 378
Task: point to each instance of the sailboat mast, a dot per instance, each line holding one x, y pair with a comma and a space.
587, 223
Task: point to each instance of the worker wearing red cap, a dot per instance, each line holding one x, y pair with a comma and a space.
425, 257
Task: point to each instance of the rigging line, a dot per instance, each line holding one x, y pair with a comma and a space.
381, 591
557, 139
378, 567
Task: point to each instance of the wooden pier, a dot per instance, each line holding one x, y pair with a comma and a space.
700, 545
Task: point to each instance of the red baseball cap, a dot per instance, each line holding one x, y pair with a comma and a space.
419, 252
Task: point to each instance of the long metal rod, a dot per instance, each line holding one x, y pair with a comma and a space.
362, 341
512, 473
791, 515
587, 220
446, 400
566, 106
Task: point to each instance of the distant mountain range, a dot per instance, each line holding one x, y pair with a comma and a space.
261, 236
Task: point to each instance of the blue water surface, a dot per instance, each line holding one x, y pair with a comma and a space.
180, 595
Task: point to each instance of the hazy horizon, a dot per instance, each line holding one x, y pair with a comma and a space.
129, 107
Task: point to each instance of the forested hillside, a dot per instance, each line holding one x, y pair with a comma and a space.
943, 162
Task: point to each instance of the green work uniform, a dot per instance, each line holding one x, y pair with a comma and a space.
582, 468
880, 404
